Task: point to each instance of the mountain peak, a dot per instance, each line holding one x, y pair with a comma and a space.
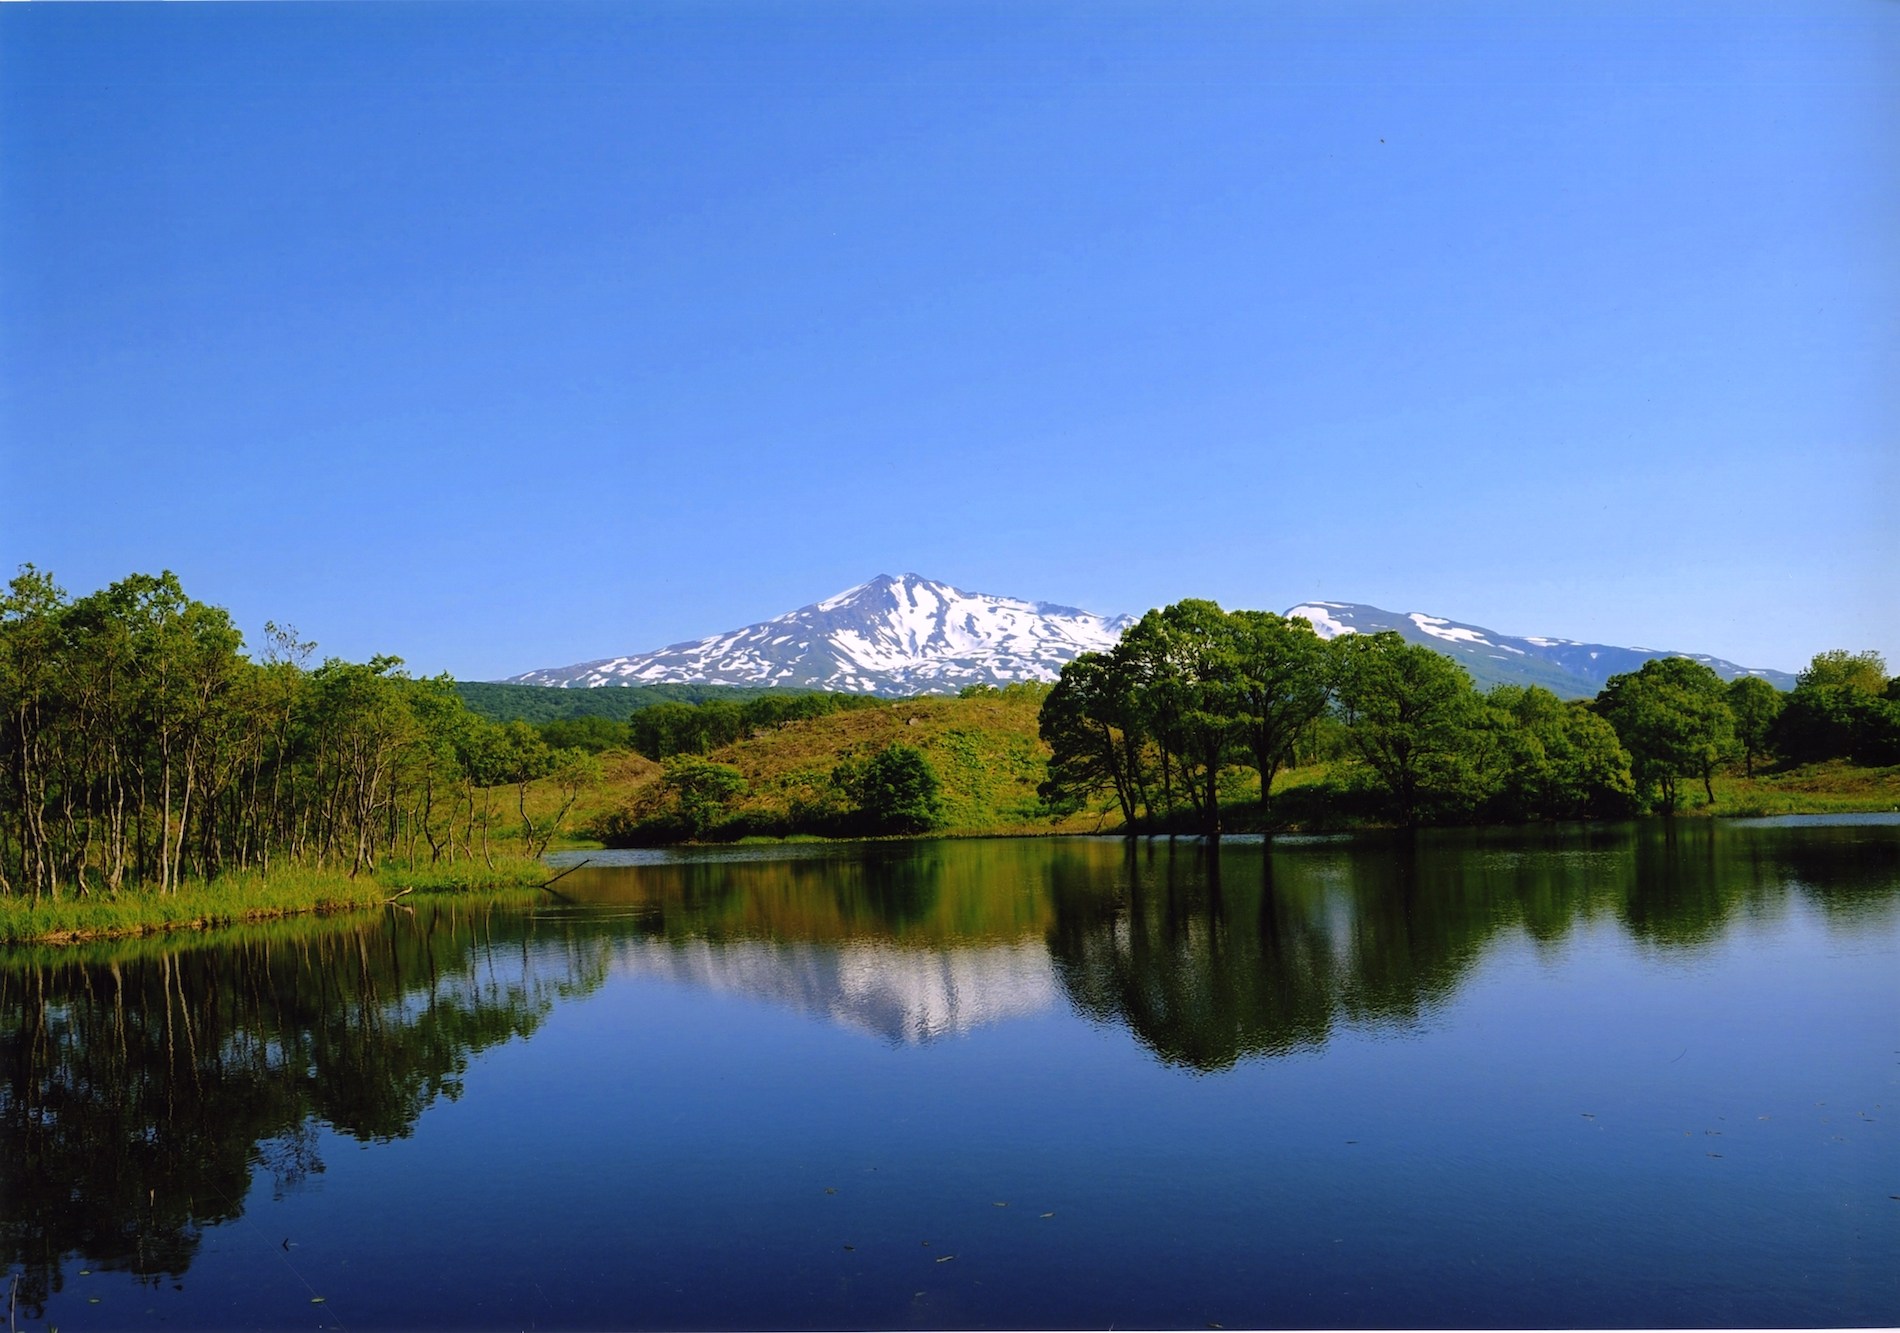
893, 634
900, 634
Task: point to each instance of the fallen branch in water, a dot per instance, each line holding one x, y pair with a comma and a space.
392, 898
570, 870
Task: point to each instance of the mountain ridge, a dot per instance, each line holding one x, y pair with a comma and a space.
1567, 667
904, 634
894, 634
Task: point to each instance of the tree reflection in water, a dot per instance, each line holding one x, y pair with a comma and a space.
143, 1084
1266, 949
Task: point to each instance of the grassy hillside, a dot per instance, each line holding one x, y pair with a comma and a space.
985, 752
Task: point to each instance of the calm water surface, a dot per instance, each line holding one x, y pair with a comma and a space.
1615, 1076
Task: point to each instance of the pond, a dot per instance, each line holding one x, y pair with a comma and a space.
1625, 1075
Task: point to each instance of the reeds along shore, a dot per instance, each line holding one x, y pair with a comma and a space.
239, 897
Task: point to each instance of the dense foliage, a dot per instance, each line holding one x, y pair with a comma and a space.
139, 746
669, 729
1192, 696
894, 791
501, 701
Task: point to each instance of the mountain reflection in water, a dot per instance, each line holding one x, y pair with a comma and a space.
144, 1086
1258, 952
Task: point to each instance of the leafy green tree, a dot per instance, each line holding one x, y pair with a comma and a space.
1409, 712
701, 791
1839, 708
1555, 759
1673, 718
1865, 672
1186, 668
665, 730
592, 734
574, 772
1280, 686
1086, 730
139, 746
362, 723
1756, 705
895, 790
31, 642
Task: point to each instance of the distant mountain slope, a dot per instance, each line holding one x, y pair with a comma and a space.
906, 635
894, 636
1563, 666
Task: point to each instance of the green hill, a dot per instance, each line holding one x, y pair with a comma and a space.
984, 750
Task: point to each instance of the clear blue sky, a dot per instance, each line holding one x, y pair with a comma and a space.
503, 336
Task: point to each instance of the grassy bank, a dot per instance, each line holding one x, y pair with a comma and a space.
234, 898
990, 760
1833, 788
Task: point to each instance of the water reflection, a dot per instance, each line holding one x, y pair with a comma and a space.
1266, 950
1261, 951
906, 996
144, 1087
145, 1084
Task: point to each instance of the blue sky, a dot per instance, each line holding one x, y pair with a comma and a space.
502, 336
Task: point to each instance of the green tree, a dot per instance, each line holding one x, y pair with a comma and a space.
1280, 686
1838, 709
1756, 705
1085, 727
895, 790
1186, 696
701, 792
1555, 758
1673, 718
592, 734
1865, 672
1408, 711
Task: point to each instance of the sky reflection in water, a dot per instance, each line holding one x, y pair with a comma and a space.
1602, 1076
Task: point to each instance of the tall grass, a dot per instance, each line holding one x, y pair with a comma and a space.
247, 896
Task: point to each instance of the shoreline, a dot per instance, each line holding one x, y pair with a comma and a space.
246, 899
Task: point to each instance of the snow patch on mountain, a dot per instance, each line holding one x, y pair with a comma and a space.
892, 635
905, 634
1565, 666
1324, 624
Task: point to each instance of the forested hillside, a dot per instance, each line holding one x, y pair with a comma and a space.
504, 702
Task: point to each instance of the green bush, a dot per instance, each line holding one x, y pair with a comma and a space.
895, 791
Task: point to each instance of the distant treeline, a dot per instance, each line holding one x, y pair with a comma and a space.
503, 702
1193, 693
140, 746
658, 721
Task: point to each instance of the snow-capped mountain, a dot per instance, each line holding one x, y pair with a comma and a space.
907, 996
893, 636
1563, 666
912, 635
